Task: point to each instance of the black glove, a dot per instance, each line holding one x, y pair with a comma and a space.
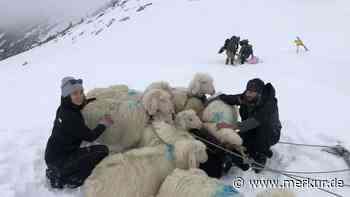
90, 100
87, 101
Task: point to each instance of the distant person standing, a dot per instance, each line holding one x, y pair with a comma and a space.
299, 43
231, 47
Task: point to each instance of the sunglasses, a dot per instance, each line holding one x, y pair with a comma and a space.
75, 81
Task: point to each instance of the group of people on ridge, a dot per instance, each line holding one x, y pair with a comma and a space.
231, 47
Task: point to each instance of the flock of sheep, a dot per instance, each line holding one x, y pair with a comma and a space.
152, 152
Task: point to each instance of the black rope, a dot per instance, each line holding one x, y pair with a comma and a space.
317, 172
284, 171
260, 166
308, 145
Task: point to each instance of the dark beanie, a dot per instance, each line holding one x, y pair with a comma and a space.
256, 85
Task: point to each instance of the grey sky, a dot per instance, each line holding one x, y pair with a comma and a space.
17, 13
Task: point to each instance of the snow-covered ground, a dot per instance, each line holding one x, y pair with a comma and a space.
171, 40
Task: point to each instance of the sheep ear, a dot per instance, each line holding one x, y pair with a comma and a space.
194, 88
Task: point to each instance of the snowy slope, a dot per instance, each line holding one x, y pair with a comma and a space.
171, 40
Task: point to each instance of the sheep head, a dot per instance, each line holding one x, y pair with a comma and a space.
158, 101
189, 154
162, 85
188, 120
201, 85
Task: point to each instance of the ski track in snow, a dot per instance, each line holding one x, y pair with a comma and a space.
172, 40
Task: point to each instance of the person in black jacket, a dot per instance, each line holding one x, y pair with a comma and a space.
246, 51
69, 164
231, 47
260, 127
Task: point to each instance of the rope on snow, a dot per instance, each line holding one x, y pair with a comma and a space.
260, 166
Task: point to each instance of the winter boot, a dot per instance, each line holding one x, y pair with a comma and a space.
74, 182
260, 160
269, 153
230, 160
54, 177
232, 61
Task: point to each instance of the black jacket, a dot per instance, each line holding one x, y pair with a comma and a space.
260, 126
230, 45
68, 132
246, 50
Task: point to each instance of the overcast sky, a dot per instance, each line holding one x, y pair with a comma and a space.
16, 13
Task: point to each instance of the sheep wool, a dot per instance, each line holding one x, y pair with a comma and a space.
186, 98
160, 132
184, 121
140, 172
179, 98
130, 118
158, 104
196, 104
226, 136
163, 85
200, 85
118, 93
93, 111
217, 111
112, 92
194, 183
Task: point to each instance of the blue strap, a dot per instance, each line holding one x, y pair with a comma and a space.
131, 92
225, 191
217, 117
170, 152
133, 104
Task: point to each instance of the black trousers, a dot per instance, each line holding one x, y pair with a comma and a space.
214, 165
244, 59
259, 140
79, 165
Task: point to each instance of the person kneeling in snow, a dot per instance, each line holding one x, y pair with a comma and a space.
246, 51
260, 127
69, 164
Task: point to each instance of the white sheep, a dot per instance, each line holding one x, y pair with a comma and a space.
159, 132
130, 116
218, 111
226, 136
117, 92
201, 84
194, 183
158, 105
140, 172
188, 98
130, 119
